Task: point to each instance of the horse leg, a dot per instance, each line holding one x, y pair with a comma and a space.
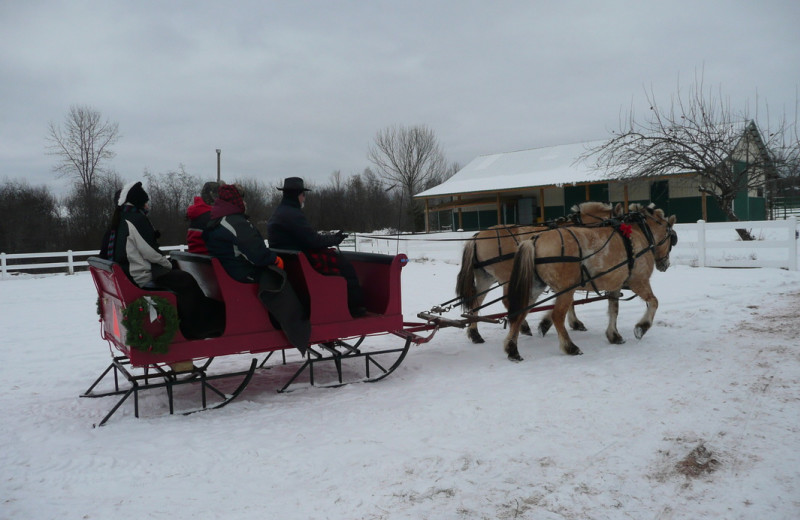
524, 328
510, 343
645, 292
612, 333
546, 323
560, 309
572, 318
482, 283
574, 322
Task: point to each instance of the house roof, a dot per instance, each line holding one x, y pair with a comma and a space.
537, 167
554, 165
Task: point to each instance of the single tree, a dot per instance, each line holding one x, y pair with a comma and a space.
698, 133
82, 145
407, 157
83, 148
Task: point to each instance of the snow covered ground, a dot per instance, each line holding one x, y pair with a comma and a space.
699, 419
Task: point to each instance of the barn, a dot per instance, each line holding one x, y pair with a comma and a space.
540, 184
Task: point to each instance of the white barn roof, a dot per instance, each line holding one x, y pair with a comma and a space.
554, 165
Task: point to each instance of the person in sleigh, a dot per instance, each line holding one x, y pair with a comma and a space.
289, 229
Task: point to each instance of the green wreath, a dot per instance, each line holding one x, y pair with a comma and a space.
134, 316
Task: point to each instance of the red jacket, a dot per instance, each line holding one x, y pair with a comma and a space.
199, 213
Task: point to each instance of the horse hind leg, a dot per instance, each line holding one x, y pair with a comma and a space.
572, 319
545, 323
613, 335
482, 283
524, 328
560, 309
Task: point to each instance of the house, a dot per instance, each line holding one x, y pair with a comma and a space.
540, 184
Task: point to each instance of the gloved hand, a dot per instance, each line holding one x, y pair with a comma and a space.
339, 236
279, 262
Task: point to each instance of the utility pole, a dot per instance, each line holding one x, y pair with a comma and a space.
218, 154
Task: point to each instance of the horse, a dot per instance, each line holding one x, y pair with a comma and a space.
488, 258
590, 258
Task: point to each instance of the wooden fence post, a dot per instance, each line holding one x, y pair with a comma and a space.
70, 264
3, 264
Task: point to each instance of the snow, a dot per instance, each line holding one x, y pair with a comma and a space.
457, 431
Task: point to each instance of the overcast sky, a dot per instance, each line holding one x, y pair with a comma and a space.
296, 88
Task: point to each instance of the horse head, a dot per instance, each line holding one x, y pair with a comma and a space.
661, 235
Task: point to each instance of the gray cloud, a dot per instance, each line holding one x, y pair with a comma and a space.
301, 88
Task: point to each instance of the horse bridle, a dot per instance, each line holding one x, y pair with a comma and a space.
670, 235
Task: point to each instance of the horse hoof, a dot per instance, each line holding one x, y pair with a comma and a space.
544, 326
516, 358
578, 326
526, 329
616, 339
640, 330
475, 336
573, 350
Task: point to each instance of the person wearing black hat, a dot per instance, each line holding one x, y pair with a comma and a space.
288, 229
135, 248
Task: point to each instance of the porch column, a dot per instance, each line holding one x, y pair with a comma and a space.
427, 219
541, 204
499, 213
625, 198
460, 218
588, 194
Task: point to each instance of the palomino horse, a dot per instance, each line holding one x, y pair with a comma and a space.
489, 256
584, 258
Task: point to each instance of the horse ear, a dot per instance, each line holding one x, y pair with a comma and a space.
618, 209
672, 219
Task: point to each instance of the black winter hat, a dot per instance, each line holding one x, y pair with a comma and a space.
135, 194
293, 184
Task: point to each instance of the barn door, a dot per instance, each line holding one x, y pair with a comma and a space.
659, 194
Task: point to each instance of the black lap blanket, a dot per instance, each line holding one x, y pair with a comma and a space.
278, 296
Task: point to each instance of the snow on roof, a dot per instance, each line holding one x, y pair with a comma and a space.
553, 165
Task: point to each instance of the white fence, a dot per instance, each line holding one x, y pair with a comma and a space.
717, 244
701, 244
73, 259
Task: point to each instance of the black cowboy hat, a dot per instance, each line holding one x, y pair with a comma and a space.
293, 184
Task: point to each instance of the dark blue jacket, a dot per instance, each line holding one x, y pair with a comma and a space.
289, 229
237, 244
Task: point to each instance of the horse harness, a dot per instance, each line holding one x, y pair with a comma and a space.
502, 257
621, 228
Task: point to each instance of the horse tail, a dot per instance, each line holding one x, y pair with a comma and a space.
465, 282
523, 276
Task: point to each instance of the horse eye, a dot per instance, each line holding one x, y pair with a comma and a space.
673, 238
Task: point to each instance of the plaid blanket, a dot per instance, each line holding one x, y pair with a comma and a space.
325, 261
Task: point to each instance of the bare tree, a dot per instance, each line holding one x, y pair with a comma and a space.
698, 133
407, 157
83, 147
